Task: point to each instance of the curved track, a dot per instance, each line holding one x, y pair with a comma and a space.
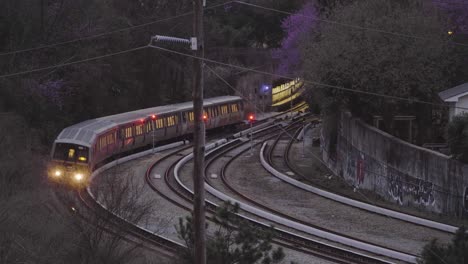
346, 255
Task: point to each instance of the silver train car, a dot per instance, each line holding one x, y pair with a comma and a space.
81, 148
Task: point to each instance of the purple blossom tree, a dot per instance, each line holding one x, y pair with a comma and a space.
457, 11
295, 26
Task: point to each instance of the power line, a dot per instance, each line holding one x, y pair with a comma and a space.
106, 33
73, 62
320, 85
398, 34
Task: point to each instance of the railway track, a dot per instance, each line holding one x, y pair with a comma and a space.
345, 256
132, 233
183, 199
281, 162
290, 241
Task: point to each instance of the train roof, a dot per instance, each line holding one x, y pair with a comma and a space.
85, 132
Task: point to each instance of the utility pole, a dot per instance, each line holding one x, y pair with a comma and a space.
196, 44
199, 138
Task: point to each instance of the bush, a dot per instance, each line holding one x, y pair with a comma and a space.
454, 253
234, 241
458, 137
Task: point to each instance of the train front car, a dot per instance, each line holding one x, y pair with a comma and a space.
70, 164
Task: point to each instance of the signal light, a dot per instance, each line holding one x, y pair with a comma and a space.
153, 116
251, 117
205, 117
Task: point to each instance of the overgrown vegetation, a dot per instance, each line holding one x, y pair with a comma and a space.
454, 253
234, 240
458, 137
383, 63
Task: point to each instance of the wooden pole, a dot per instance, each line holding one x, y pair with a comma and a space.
199, 139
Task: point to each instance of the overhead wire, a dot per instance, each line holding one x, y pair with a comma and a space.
73, 62
377, 30
316, 84
106, 33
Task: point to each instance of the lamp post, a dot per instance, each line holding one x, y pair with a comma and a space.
251, 119
153, 127
265, 89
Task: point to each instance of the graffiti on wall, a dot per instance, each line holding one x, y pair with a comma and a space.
356, 167
402, 186
360, 169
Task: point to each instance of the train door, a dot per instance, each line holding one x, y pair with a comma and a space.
159, 132
190, 122
171, 128
183, 123
214, 110
127, 137
206, 117
139, 134
111, 142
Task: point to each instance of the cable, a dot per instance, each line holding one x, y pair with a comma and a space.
321, 85
107, 33
346, 25
73, 62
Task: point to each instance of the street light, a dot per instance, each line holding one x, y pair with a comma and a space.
251, 120
265, 88
153, 126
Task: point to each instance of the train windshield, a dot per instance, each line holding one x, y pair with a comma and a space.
71, 152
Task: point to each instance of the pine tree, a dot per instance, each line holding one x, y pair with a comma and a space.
235, 240
454, 253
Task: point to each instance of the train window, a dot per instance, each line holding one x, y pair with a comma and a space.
128, 132
234, 108
184, 117
224, 109
71, 153
170, 121
191, 117
102, 143
110, 139
159, 123
148, 127
139, 129
82, 153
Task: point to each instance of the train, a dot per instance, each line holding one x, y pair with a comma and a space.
81, 148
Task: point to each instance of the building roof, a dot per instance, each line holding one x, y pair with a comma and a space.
456, 91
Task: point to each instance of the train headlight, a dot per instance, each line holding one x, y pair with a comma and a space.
79, 177
58, 173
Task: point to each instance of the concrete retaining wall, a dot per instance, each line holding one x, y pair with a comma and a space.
401, 172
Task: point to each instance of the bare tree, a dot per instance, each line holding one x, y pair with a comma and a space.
101, 240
